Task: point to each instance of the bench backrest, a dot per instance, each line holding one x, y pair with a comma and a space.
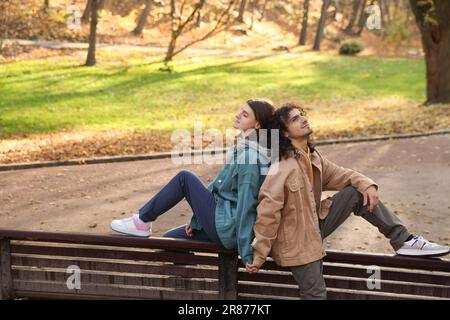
45, 265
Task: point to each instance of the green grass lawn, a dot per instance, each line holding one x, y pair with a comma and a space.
360, 95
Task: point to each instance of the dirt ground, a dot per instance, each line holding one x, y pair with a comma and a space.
413, 175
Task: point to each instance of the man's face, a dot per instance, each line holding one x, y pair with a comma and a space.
297, 125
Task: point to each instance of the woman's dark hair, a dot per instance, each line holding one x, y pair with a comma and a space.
280, 117
263, 110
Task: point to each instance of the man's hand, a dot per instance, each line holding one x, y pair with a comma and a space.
370, 194
252, 269
188, 230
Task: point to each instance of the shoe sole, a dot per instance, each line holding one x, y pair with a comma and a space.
131, 234
426, 255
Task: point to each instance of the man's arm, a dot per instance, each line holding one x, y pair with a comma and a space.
271, 202
336, 178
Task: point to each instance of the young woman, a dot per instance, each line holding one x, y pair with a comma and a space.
225, 211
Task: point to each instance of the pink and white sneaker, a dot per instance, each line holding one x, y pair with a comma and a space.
132, 226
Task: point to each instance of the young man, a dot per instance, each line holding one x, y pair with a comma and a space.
292, 221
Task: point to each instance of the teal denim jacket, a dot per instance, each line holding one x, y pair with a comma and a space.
236, 190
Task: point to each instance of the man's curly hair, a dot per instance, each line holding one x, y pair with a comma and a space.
281, 116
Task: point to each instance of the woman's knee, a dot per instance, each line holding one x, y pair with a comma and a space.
185, 175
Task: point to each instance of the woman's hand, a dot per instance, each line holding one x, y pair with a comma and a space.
188, 230
252, 269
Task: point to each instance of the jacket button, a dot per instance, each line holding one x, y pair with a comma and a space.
220, 181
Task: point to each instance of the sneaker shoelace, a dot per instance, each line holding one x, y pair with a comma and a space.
420, 242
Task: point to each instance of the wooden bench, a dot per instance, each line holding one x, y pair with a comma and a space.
38, 265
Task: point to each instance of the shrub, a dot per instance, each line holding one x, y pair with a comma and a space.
351, 48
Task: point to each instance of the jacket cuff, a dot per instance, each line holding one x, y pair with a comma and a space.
258, 261
247, 259
364, 186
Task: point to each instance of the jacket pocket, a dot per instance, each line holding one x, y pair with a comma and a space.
290, 219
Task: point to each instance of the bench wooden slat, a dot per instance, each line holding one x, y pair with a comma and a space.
432, 264
112, 291
340, 294
117, 266
269, 289
388, 287
409, 263
428, 277
348, 271
119, 279
116, 240
176, 257
349, 283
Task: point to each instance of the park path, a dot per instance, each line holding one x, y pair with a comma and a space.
413, 175
55, 44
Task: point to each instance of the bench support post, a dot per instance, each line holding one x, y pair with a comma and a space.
228, 269
6, 285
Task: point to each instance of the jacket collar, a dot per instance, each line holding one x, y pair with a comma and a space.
315, 160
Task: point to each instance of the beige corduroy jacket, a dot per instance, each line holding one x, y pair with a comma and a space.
287, 223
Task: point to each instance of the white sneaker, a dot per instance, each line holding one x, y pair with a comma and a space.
421, 247
133, 226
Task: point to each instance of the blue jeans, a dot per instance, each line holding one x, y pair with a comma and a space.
202, 202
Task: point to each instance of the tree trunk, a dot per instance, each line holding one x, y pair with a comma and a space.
303, 33
254, 6
173, 34
171, 48
363, 15
436, 44
86, 12
263, 11
353, 16
240, 17
143, 18
384, 12
321, 25
90, 61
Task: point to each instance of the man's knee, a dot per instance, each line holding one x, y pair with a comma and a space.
352, 197
351, 193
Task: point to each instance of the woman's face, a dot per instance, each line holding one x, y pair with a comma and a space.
245, 119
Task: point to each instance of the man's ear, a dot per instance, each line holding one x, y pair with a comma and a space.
257, 125
285, 134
